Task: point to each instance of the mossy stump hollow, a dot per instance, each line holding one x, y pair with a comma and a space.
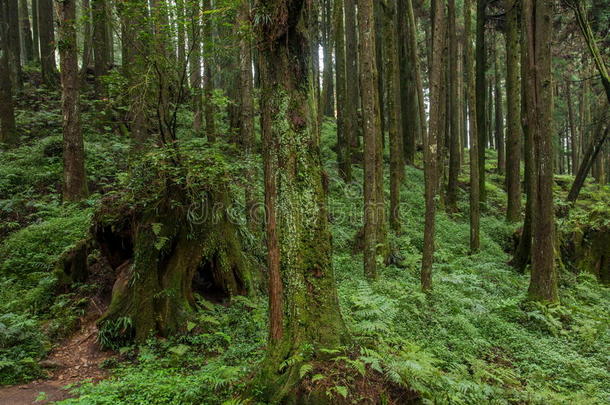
163, 256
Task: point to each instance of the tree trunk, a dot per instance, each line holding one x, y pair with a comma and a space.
87, 37
328, 85
513, 101
408, 95
572, 124
298, 237
499, 116
471, 95
209, 57
393, 104
481, 88
100, 35
35, 33
181, 37
194, 45
351, 76
47, 41
543, 282
371, 132
432, 142
454, 112
75, 179
14, 43
589, 157
8, 131
247, 108
343, 136
414, 58
581, 17
27, 47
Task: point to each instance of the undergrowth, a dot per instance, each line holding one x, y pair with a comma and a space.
474, 339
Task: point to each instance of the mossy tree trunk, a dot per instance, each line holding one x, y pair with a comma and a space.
343, 135
304, 308
8, 131
163, 256
454, 112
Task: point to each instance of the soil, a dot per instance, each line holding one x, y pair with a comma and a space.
74, 360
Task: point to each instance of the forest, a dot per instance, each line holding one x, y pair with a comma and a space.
249, 202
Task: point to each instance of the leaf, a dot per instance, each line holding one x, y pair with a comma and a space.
341, 390
179, 350
190, 326
305, 368
317, 377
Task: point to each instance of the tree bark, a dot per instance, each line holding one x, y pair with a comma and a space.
328, 84
499, 116
351, 76
87, 37
431, 145
471, 95
27, 46
8, 131
481, 88
572, 125
393, 104
35, 33
247, 108
513, 101
75, 179
589, 157
454, 111
298, 237
14, 43
100, 41
543, 281
209, 57
343, 136
371, 121
47, 41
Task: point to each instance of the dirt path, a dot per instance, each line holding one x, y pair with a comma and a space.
74, 360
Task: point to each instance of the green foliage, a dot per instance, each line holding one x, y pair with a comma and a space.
21, 345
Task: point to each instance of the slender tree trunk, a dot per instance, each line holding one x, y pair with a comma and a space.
209, 57
35, 33
378, 16
572, 125
75, 179
393, 104
14, 43
454, 114
499, 116
373, 209
100, 41
432, 142
301, 276
481, 88
47, 41
513, 101
344, 138
27, 47
87, 37
408, 96
351, 76
471, 95
581, 17
247, 107
8, 131
414, 62
543, 282
194, 45
589, 157
181, 36
328, 85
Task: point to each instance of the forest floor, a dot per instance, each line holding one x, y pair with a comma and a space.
73, 361
474, 339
